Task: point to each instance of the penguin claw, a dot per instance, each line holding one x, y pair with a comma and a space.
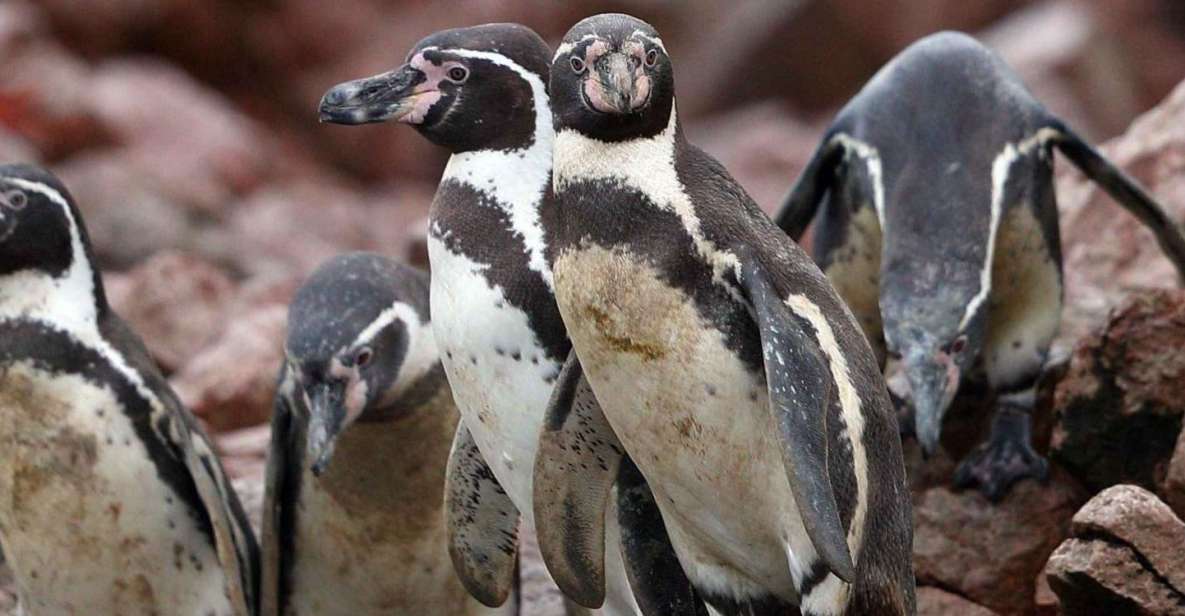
1005, 459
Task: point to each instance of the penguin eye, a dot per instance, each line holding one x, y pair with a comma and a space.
958, 345
458, 74
578, 65
15, 199
651, 57
363, 356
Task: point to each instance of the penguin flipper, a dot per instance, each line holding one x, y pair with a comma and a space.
235, 544
800, 394
575, 468
799, 205
273, 530
658, 581
482, 523
1126, 191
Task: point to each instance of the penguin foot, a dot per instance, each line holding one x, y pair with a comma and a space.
1006, 458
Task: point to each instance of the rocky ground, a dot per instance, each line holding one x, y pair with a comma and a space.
186, 130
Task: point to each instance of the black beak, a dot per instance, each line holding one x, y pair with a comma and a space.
326, 414
933, 382
373, 99
620, 88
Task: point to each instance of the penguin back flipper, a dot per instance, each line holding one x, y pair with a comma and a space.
575, 469
482, 524
1126, 191
800, 204
235, 542
659, 584
273, 527
800, 394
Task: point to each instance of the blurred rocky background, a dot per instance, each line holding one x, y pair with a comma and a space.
187, 131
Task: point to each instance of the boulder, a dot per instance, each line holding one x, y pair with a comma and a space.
1174, 480
1124, 558
991, 554
177, 303
1101, 274
937, 602
1119, 407
232, 382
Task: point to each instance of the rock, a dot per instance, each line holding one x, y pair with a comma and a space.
14, 147
1119, 407
1045, 602
1135, 517
1124, 557
129, 214
991, 554
231, 383
1100, 274
244, 452
1174, 481
190, 139
251, 491
936, 602
177, 303
1097, 577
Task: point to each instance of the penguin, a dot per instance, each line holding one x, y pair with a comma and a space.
940, 230
710, 348
361, 432
481, 92
114, 502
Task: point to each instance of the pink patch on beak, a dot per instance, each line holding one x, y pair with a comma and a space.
427, 93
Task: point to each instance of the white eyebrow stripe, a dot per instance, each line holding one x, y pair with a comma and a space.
397, 310
654, 40
568, 46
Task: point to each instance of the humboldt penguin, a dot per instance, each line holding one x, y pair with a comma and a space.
713, 351
940, 230
114, 502
361, 432
481, 92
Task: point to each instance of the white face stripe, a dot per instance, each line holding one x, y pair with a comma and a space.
654, 40
646, 165
515, 179
1001, 166
872, 159
421, 344
849, 403
566, 47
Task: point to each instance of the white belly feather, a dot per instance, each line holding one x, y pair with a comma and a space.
87, 525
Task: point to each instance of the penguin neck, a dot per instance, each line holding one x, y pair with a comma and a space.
72, 300
579, 157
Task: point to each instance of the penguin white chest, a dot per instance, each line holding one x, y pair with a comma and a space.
87, 524
693, 417
499, 373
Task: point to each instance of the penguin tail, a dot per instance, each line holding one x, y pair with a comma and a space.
1126, 191
800, 204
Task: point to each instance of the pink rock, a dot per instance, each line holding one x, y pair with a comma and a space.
1174, 482
992, 554
1135, 517
177, 304
232, 382
937, 602
1094, 577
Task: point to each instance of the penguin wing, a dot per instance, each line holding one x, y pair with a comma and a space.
656, 578
482, 523
235, 543
277, 504
575, 468
1125, 190
799, 205
800, 394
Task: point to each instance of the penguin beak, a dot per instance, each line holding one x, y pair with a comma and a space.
933, 382
616, 85
326, 414
393, 95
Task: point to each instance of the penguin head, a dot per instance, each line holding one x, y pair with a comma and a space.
934, 325
611, 79
475, 88
359, 340
43, 238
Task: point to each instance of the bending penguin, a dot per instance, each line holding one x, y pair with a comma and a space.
711, 349
114, 502
939, 228
361, 432
481, 92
